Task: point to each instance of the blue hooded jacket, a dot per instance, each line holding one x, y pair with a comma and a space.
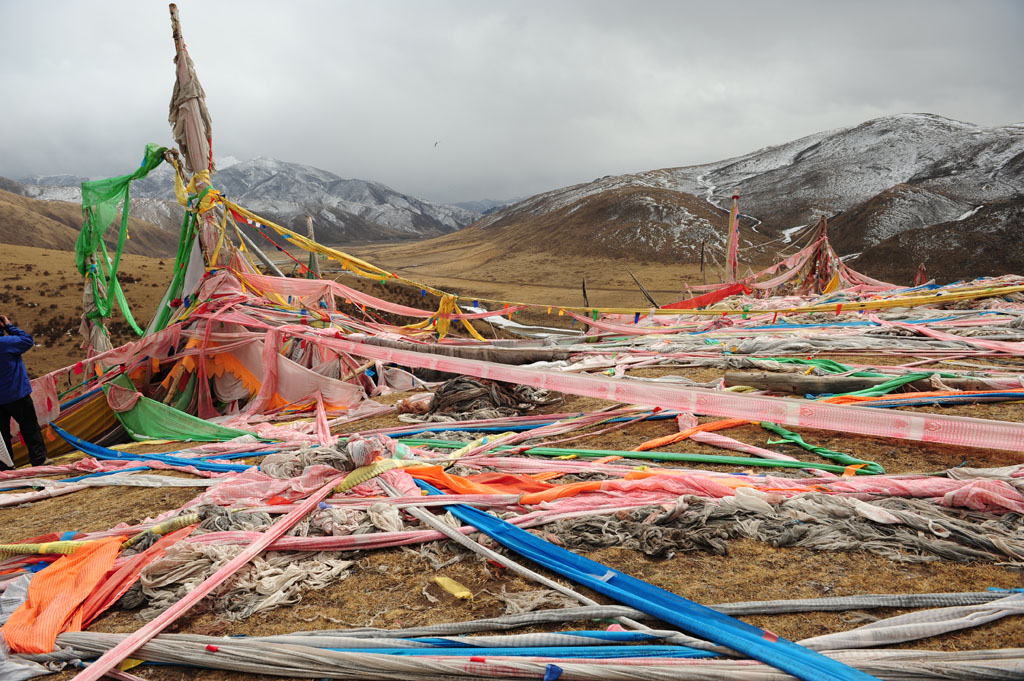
13, 378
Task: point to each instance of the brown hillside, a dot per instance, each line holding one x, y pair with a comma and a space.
9, 185
56, 224
634, 222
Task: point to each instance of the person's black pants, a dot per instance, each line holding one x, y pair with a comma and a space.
24, 412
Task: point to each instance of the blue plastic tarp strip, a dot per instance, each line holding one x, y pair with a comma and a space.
667, 414
105, 454
841, 324
614, 636
689, 616
239, 455
75, 400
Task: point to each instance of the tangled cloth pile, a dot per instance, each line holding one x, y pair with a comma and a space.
906, 530
464, 398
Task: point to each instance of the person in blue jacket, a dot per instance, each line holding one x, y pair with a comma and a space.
16, 393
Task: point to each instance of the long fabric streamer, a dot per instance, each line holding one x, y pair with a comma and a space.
940, 429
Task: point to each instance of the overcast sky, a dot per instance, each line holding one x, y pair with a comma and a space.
455, 101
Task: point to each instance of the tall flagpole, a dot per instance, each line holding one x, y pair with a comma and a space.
732, 263
193, 131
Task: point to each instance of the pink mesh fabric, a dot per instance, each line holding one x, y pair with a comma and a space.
952, 430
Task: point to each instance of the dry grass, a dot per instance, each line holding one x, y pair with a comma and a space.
41, 291
473, 265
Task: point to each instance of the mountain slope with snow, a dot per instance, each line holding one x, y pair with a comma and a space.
26, 221
895, 210
984, 242
834, 171
630, 221
875, 181
343, 210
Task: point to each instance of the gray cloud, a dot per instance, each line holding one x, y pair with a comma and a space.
520, 97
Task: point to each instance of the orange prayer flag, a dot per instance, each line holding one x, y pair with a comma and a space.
678, 437
55, 594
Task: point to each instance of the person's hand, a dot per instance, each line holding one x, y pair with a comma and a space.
4, 320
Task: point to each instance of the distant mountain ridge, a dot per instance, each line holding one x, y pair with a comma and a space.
343, 210
487, 206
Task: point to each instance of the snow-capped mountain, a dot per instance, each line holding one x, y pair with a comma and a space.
836, 170
893, 211
343, 210
881, 178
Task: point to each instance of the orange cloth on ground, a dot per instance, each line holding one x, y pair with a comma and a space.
55, 594
484, 483
548, 475
682, 435
558, 491
514, 484
117, 582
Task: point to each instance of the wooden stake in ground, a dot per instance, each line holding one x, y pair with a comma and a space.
314, 263
732, 248
644, 291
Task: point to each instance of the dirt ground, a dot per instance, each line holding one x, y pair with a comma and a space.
553, 278
41, 292
386, 586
